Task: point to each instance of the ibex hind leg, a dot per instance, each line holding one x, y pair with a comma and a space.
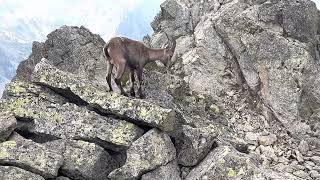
139, 77
132, 93
109, 73
118, 77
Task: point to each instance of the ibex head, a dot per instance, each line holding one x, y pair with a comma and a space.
169, 50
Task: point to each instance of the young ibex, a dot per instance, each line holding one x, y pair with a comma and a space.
126, 53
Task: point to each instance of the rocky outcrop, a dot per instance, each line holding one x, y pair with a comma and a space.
240, 100
70, 49
249, 68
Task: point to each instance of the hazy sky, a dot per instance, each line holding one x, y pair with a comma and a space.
100, 16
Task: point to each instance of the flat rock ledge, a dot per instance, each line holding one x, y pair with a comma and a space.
150, 151
84, 91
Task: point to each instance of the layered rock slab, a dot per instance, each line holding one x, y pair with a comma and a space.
148, 152
14, 173
67, 121
31, 156
7, 125
97, 96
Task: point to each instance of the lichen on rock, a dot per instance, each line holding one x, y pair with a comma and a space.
107, 102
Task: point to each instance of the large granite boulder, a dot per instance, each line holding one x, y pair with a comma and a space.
151, 150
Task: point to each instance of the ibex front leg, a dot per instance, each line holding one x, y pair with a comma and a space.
139, 76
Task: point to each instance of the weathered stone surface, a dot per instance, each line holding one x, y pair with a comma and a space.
195, 144
224, 163
136, 110
31, 156
169, 171
7, 125
151, 150
14, 173
86, 161
67, 121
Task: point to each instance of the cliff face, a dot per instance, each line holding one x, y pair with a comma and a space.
239, 101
